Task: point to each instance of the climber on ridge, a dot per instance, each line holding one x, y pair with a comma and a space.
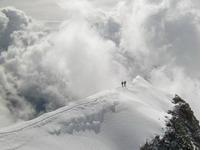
125, 83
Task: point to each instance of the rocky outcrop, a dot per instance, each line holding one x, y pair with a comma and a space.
182, 130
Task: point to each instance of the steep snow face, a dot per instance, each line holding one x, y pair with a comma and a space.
119, 119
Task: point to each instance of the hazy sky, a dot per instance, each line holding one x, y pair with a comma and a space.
49, 9
38, 9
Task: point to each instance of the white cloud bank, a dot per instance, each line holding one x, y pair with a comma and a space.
41, 70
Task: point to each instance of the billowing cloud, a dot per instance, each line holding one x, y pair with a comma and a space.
11, 20
96, 48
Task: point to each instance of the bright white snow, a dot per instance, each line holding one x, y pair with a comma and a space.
119, 119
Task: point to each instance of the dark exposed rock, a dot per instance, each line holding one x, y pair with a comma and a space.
182, 130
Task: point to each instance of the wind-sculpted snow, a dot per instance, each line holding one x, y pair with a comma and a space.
85, 120
79, 117
94, 114
117, 119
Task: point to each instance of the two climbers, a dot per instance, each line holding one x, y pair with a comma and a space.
123, 83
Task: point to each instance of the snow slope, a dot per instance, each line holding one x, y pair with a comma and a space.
119, 119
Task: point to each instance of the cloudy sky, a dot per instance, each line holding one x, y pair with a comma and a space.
43, 68
50, 9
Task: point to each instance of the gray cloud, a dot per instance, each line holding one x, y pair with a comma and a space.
11, 20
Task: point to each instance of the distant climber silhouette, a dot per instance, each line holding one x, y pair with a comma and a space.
123, 83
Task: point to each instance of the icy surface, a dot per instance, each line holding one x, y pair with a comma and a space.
119, 119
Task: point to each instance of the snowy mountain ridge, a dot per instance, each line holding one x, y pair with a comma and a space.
119, 119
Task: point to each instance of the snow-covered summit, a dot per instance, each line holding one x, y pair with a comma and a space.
118, 119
